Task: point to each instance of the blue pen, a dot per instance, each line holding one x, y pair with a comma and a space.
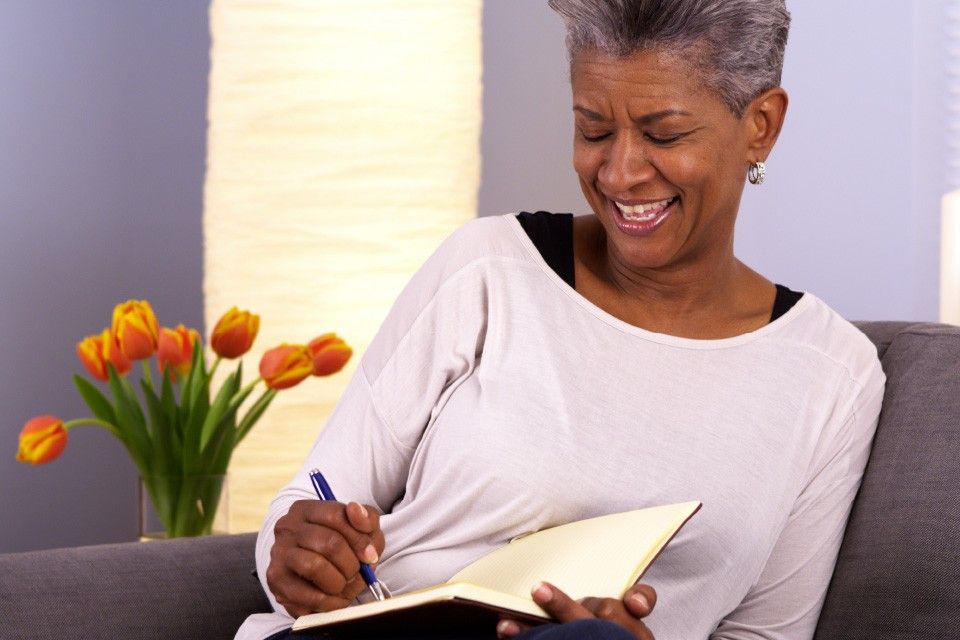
324, 492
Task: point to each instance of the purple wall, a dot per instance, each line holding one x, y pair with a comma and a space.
102, 147
850, 209
102, 129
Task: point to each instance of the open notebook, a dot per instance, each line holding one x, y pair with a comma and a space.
600, 556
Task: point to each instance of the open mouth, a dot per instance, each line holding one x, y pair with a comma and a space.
644, 212
642, 219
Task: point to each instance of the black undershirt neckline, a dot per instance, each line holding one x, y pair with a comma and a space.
552, 235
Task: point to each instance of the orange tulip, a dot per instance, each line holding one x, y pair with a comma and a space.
234, 333
284, 366
42, 439
136, 328
96, 351
330, 353
175, 350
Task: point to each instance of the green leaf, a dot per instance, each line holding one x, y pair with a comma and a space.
167, 397
254, 413
97, 402
217, 453
191, 431
134, 403
169, 403
222, 449
165, 457
196, 380
130, 421
219, 408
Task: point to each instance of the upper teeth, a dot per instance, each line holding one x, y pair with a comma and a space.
642, 211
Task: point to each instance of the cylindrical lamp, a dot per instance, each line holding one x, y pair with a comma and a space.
343, 147
950, 258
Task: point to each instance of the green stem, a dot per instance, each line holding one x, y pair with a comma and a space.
70, 424
213, 367
250, 386
146, 372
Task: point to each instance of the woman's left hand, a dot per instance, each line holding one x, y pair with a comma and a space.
637, 603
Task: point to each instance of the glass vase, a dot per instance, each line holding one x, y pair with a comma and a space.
179, 506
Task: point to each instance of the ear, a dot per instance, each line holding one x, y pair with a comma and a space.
764, 119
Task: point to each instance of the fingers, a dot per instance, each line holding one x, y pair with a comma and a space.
299, 596
315, 568
554, 601
354, 586
363, 518
507, 628
333, 515
606, 608
316, 555
640, 599
367, 520
564, 609
558, 604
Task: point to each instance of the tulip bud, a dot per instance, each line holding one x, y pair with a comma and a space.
234, 333
42, 440
284, 366
96, 351
175, 350
136, 328
330, 353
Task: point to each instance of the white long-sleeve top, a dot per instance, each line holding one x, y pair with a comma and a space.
496, 400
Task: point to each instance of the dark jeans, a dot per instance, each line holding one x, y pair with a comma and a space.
579, 630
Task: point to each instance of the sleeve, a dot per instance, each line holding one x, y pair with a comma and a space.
431, 339
785, 602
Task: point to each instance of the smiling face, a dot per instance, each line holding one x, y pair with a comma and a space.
661, 159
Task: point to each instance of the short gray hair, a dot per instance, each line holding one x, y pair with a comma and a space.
737, 44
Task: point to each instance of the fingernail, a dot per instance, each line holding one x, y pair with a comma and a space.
370, 554
542, 593
507, 628
640, 599
363, 510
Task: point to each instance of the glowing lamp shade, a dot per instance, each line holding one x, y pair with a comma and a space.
950, 258
343, 146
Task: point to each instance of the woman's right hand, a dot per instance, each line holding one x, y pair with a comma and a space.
317, 551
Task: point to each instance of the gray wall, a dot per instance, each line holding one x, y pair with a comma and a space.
102, 137
850, 209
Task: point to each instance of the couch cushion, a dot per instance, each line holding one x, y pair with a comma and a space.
898, 572
182, 589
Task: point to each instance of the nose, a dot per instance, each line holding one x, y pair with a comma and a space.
625, 165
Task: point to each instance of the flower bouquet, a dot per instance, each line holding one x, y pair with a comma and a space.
182, 434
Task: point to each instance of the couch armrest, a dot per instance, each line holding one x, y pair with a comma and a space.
183, 588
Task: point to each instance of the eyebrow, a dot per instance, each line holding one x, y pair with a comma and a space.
644, 119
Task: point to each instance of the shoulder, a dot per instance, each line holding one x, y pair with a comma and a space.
459, 269
824, 334
483, 240
447, 298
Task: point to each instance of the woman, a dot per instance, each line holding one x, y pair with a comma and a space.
627, 353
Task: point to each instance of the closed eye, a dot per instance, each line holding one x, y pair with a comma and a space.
663, 141
594, 138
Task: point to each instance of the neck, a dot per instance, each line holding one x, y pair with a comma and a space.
712, 275
713, 294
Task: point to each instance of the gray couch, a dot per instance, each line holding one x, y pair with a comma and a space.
897, 576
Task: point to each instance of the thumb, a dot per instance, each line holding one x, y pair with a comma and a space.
640, 599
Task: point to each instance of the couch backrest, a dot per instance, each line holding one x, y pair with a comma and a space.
172, 589
898, 572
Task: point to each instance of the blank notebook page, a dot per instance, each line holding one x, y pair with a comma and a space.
600, 556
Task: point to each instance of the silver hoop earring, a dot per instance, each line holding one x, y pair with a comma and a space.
757, 172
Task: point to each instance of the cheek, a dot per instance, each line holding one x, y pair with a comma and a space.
586, 161
682, 168
698, 172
